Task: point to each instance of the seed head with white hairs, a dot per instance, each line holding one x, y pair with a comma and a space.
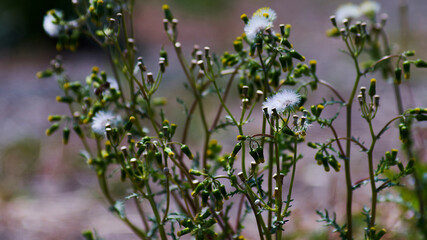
282, 101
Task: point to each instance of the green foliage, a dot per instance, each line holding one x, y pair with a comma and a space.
130, 131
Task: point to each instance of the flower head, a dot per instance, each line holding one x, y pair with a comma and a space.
369, 8
50, 24
266, 12
101, 118
261, 19
282, 101
255, 25
347, 11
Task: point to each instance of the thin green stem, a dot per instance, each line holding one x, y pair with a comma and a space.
372, 175
155, 211
279, 185
291, 184
348, 145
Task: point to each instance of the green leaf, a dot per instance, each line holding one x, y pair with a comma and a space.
119, 208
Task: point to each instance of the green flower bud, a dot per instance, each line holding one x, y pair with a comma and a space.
236, 149
223, 191
296, 55
44, 74
164, 55
195, 172
205, 198
394, 153
52, 129
198, 188
380, 234
129, 124
334, 163
186, 150
286, 43
372, 88
241, 138
404, 132
406, 69
245, 18
254, 155
64, 99
312, 145
313, 110
288, 131
170, 153
319, 109
238, 45
400, 166
217, 194
140, 151
158, 156
409, 53
205, 215
183, 232
54, 118
168, 13
388, 156
65, 135
209, 223
260, 153
420, 63
187, 223
287, 32
398, 75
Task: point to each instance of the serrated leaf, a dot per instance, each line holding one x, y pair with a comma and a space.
119, 208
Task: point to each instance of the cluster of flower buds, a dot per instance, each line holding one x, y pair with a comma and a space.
369, 110
210, 189
373, 234
403, 67
214, 150
200, 227
170, 23
323, 157
98, 10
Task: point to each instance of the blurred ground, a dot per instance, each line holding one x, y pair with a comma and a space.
46, 190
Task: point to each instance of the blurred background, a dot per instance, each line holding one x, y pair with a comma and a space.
48, 192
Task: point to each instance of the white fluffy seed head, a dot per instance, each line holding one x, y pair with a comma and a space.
267, 12
347, 11
51, 28
101, 119
255, 25
281, 101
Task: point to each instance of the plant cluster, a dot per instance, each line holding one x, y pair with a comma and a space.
119, 118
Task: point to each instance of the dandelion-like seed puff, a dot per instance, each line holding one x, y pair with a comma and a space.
262, 19
101, 118
347, 11
282, 101
51, 28
266, 12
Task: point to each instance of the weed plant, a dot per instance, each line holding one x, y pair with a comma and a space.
120, 119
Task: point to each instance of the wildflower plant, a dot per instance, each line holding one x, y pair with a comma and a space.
124, 130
